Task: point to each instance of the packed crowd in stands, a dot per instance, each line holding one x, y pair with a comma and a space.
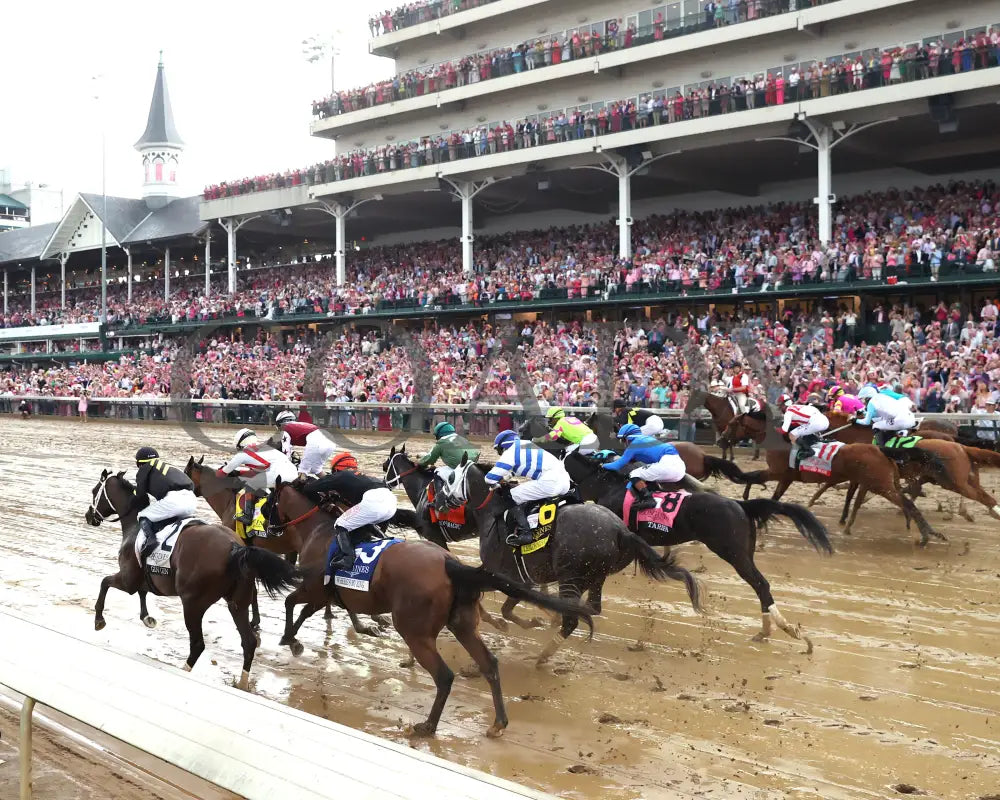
419, 11
947, 359
820, 79
884, 237
546, 51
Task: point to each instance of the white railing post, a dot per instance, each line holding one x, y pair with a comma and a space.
27, 710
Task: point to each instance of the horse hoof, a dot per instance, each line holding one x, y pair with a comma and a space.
424, 729
470, 671
328, 614
760, 636
407, 663
535, 622
149, 622
100, 624
495, 731
256, 636
369, 630
382, 621
296, 648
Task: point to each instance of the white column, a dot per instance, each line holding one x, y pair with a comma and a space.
340, 216
466, 195
5, 292
63, 258
208, 263
32, 290
166, 274
624, 212
128, 289
823, 136
231, 235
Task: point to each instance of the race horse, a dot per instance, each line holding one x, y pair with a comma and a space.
220, 493
726, 527
207, 564
871, 468
961, 463
587, 544
722, 412
423, 586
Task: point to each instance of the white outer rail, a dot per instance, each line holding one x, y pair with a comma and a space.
254, 747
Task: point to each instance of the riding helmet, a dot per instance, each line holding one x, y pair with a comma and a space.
342, 462
283, 417
443, 429
243, 437
629, 431
504, 439
144, 454
554, 414
867, 392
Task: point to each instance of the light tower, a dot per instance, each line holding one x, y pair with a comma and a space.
160, 147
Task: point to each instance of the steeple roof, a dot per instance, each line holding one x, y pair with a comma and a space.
160, 124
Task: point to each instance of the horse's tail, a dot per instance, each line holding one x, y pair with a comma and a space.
271, 571
717, 467
658, 567
938, 472
470, 582
762, 510
986, 458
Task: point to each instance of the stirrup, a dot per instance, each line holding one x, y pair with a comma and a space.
517, 539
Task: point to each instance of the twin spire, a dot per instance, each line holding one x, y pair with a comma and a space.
161, 147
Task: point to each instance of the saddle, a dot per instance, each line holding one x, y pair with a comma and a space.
542, 516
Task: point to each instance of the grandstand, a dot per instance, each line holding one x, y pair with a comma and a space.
550, 163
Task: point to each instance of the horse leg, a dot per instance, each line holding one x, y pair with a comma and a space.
111, 581
854, 512
980, 495
497, 622
193, 614
328, 614
756, 450
238, 609
594, 597
507, 611
372, 629
781, 488
147, 620
288, 638
851, 490
463, 625
424, 650
818, 494
567, 591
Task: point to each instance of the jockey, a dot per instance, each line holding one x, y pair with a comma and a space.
371, 503
888, 412
663, 463
739, 389
802, 423
649, 423
318, 448
449, 447
839, 402
548, 478
165, 491
259, 467
570, 430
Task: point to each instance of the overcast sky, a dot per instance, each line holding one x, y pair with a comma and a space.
239, 85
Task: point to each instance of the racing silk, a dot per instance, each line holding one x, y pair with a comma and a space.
848, 404
255, 459
636, 416
644, 449
450, 450
296, 433
569, 429
741, 384
796, 415
156, 479
894, 395
526, 460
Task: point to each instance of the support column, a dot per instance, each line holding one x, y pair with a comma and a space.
208, 263
467, 237
624, 213
166, 274
824, 182
63, 258
5, 292
340, 216
128, 289
32, 290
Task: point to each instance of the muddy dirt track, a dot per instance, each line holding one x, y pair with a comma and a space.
903, 686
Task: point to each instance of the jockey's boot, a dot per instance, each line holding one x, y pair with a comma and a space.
245, 508
149, 542
522, 530
643, 499
883, 437
344, 557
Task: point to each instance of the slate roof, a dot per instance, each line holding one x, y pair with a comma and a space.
160, 123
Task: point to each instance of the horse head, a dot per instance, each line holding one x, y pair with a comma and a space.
110, 497
455, 490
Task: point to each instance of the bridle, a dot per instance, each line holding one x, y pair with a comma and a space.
102, 494
397, 476
281, 526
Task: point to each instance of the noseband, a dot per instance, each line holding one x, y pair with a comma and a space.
397, 476
102, 494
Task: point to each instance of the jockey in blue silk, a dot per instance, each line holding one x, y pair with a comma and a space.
548, 478
663, 463
889, 412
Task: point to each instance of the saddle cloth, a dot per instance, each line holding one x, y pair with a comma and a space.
158, 561
366, 558
753, 404
542, 517
451, 519
821, 460
902, 442
257, 528
661, 518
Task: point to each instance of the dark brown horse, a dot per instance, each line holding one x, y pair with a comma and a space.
866, 466
722, 414
207, 564
220, 494
423, 586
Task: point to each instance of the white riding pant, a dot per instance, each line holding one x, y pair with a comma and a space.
554, 483
588, 445
816, 424
652, 426
892, 414
742, 400
444, 472
318, 451
180, 504
669, 469
376, 505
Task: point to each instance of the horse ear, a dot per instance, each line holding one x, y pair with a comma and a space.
403, 448
104, 474
121, 474
465, 459
201, 460
392, 451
